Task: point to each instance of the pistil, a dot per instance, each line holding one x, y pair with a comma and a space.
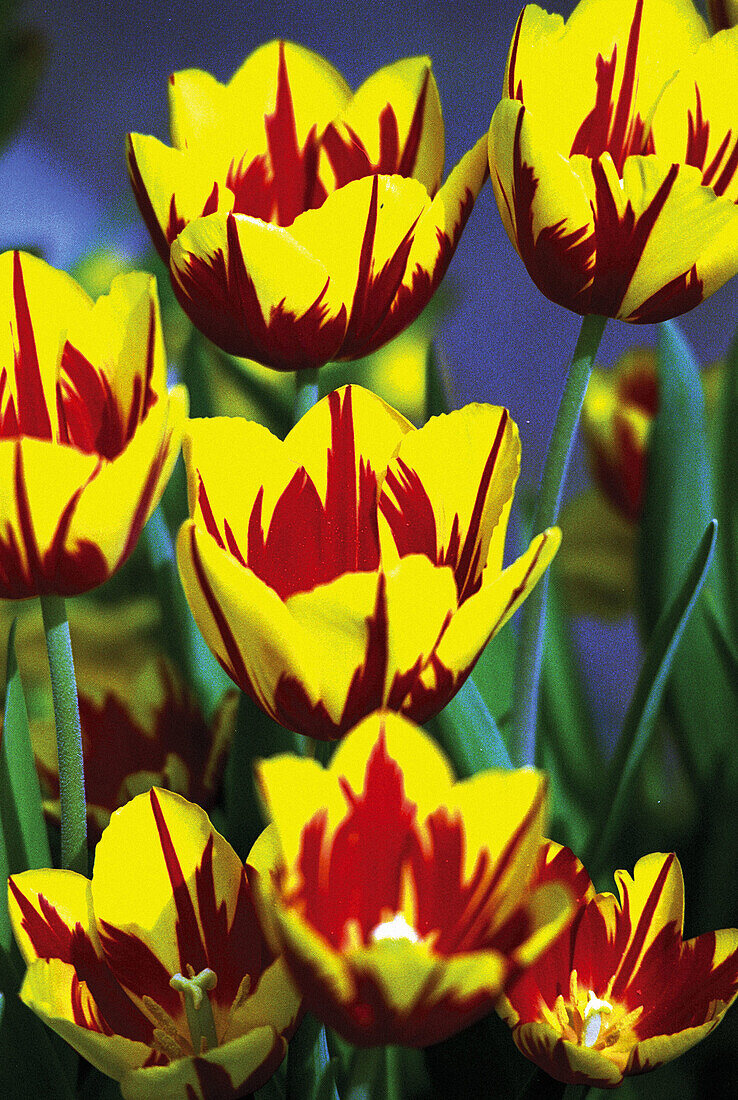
194, 989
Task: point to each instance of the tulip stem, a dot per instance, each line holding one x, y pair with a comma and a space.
68, 735
533, 615
306, 391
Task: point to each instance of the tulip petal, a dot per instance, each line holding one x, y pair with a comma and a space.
172, 189
36, 554
235, 1069
40, 304
477, 620
695, 123
363, 235
433, 244
543, 204
393, 124
595, 78
256, 292
44, 929
448, 490
258, 641
185, 883
51, 988
566, 1061
116, 504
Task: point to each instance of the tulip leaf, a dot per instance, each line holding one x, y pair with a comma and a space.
21, 811
644, 706
310, 1069
678, 504
724, 646
468, 733
28, 1054
726, 479
193, 370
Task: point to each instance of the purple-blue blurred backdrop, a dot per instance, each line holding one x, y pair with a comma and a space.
64, 185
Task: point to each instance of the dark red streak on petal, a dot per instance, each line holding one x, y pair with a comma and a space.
698, 137
468, 572
512, 91
520, 588
294, 709
32, 414
412, 519
626, 969
219, 297
189, 942
161, 240
236, 668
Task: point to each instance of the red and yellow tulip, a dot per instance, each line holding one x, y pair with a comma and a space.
357, 564
301, 222
157, 970
620, 992
160, 738
400, 902
618, 410
88, 432
614, 156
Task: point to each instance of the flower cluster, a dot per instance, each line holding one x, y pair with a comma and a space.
348, 576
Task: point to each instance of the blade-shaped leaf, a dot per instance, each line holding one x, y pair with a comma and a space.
310, 1070
725, 434
468, 733
21, 812
678, 505
644, 706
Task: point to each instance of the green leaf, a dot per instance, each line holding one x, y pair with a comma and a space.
468, 733
726, 480
28, 1054
21, 811
644, 706
310, 1069
678, 505
438, 385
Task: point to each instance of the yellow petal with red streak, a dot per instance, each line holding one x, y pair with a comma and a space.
487, 611
693, 226
702, 99
556, 62
168, 174
555, 200
397, 88
48, 989
243, 621
377, 431
55, 302
288, 280
514, 831
336, 232
121, 336
235, 458
67, 892
467, 462
131, 886
654, 897
564, 1060
117, 503
318, 92
241, 1060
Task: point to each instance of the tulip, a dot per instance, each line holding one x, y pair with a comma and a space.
620, 992
160, 735
88, 432
300, 222
614, 156
357, 564
157, 970
401, 903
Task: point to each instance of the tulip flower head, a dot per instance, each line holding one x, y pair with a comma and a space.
618, 410
157, 970
88, 432
401, 899
614, 156
357, 564
300, 222
620, 992
161, 738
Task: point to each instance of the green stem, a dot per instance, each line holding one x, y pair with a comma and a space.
68, 735
306, 391
533, 615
